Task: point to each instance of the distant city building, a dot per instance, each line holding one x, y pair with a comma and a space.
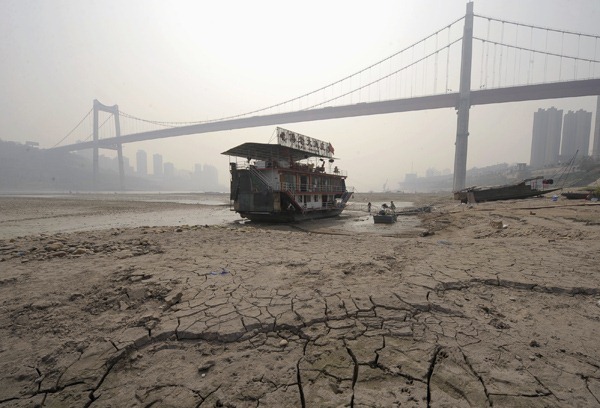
206, 177
431, 172
141, 160
596, 146
169, 169
157, 165
576, 134
127, 168
545, 139
210, 178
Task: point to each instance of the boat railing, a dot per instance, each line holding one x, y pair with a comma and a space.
335, 171
310, 188
303, 167
323, 206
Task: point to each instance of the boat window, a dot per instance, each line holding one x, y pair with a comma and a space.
303, 183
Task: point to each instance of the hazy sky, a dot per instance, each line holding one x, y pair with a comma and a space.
194, 60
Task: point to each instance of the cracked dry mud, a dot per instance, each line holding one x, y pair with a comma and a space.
239, 316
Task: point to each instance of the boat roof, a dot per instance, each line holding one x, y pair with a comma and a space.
269, 151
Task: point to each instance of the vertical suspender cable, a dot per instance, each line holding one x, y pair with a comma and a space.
424, 69
481, 65
576, 60
506, 64
487, 54
391, 85
530, 64
517, 57
435, 64
447, 59
562, 45
414, 70
501, 48
594, 65
379, 83
494, 67
546, 57
399, 81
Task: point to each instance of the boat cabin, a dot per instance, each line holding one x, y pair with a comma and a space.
293, 179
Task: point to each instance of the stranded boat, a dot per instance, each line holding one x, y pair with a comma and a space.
385, 216
288, 180
524, 189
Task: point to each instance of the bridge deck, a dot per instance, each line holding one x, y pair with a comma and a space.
566, 89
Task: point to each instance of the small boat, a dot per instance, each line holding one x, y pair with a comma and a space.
530, 187
286, 181
385, 217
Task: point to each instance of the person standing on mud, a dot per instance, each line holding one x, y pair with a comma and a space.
369, 207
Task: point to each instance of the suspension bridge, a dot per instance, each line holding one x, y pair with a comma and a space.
474, 60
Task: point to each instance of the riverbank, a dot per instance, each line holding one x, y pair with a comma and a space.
494, 304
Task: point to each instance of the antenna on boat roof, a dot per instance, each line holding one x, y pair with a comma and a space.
274, 135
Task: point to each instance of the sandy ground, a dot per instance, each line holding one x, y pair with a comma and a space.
492, 305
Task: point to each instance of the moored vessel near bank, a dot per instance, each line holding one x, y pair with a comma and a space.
294, 179
530, 187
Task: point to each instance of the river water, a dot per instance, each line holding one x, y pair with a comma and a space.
36, 213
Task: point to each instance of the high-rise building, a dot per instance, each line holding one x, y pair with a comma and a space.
141, 160
169, 169
596, 145
576, 135
545, 139
157, 164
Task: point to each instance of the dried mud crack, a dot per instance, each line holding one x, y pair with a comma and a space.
245, 317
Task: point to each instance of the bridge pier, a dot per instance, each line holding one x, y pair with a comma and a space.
464, 103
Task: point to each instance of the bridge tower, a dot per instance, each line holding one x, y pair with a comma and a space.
464, 103
114, 110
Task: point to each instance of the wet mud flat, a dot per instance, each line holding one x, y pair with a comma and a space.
493, 305
46, 213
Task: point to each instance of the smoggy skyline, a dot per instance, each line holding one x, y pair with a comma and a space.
188, 61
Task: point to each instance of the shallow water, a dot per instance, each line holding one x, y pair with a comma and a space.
31, 214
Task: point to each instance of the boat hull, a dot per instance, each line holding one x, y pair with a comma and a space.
283, 217
384, 219
576, 195
524, 189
